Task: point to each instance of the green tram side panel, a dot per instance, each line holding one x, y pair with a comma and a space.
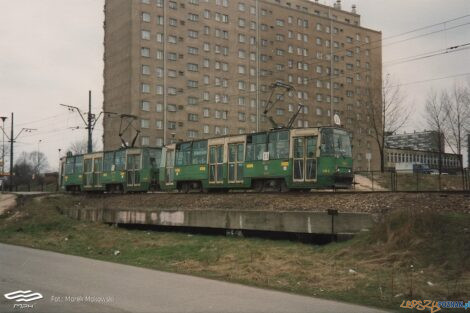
148, 171
281, 168
112, 175
73, 175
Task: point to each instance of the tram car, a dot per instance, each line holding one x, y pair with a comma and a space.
277, 160
123, 170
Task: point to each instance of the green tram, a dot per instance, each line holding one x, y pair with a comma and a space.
280, 160
123, 170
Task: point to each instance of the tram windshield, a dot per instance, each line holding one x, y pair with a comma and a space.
335, 142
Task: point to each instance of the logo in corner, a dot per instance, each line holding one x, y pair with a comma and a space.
23, 296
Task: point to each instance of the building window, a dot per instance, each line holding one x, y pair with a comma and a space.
145, 88
192, 133
192, 33
144, 123
279, 22
193, 17
192, 117
192, 67
171, 125
206, 112
145, 105
172, 39
145, 17
173, 22
193, 50
192, 100
145, 52
145, 141
159, 124
192, 83
145, 70
145, 35
241, 116
206, 129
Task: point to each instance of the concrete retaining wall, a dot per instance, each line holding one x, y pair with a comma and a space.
280, 221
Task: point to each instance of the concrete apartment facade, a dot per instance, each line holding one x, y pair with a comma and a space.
192, 69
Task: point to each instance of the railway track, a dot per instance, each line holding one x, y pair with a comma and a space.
290, 193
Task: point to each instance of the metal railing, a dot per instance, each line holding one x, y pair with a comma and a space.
411, 181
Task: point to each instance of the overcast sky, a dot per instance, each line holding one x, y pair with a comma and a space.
51, 52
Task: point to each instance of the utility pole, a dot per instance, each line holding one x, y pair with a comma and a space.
3, 145
12, 138
11, 154
90, 117
90, 122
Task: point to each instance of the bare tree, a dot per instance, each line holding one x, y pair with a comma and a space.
457, 110
435, 116
80, 146
388, 117
39, 162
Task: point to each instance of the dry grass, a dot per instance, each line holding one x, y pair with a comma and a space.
437, 245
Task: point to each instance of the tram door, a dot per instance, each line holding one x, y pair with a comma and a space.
216, 164
88, 172
236, 157
169, 167
97, 169
133, 170
305, 162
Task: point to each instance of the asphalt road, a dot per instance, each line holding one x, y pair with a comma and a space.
76, 284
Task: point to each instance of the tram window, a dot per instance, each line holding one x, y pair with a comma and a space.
259, 146
183, 154
278, 145
199, 152
119, 160
327, 147
108, 161
335, 142
249, 148
69, 165
155, 157
78, 164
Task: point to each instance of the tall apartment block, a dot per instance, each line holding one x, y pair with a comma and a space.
192, 69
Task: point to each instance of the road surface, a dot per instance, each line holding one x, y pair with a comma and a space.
75, 284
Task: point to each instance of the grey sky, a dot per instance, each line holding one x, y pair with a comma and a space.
51, 52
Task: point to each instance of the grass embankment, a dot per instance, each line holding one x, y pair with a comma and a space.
372, 269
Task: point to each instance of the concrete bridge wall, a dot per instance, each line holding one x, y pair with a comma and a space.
279, 221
